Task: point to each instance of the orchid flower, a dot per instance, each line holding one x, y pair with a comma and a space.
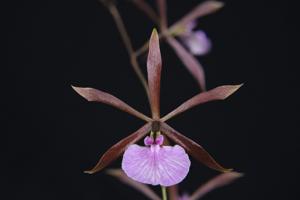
163, 162
196, 42
214, 183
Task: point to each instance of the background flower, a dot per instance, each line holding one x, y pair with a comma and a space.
196, 42
214, 183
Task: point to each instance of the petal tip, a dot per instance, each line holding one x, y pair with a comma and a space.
154, 36
237, 174
154, 32
218, 4
236, 87
82, 92
89, 172
227, 170
75, 88
233, 89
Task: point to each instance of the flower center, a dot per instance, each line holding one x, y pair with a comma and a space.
155, 126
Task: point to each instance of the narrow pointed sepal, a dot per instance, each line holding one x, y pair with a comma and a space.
203, 9
154, 65
218, 93
116, 150
144, 189
92, 94
190, 62
216, 182
194, 149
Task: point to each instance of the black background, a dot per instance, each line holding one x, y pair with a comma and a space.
51, 135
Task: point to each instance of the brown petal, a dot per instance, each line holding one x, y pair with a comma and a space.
154, 73
216, 182
162, 7
144, 189
205, 8
92, 94
218, 93
194, 149
191, 63
115, 151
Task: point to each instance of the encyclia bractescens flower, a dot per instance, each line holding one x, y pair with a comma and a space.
156, 123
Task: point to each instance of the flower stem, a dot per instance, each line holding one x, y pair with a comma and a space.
146, 8
164, 193
128, 45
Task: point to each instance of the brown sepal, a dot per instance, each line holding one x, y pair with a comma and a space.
191, 63
216, 182
218, 93
92, 94
116, 150
194, 149
203, 9
154, 74
144, 189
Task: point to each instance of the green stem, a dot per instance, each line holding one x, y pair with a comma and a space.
164, 193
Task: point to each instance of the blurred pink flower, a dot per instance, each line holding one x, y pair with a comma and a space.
196, 41
185, 196
156, 164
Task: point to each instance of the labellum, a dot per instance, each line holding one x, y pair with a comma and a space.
155, 163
